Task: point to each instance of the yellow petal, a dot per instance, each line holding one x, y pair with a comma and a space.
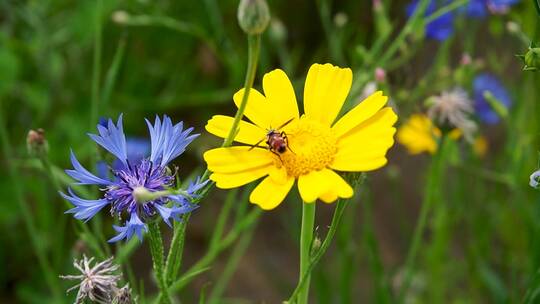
257, 109
363, 111
236, 159
329, 197
280, 97
318, 184
269, 193
237, 179
418, 135
248, 133
364, 147
325, 91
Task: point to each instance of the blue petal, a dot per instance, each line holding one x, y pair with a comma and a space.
168, 141
487, 82
534, 178
165, 213
196, 186
133, 226
84, 209
441, 27
476, 9
83, 176
182, 209
112, 139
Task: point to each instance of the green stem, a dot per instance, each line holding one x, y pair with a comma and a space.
432, 184
317, 255
26, 214
174, 257
254, 43
156, 249
96, 69
306, 239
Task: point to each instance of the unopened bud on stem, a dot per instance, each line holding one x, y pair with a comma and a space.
253, 16
36, 143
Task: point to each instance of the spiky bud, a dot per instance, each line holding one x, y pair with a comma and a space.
253, 16
532, 59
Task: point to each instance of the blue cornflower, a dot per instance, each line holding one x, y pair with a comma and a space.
489, 83
440, 28
142, 187
481, 8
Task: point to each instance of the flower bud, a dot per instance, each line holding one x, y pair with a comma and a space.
316, 245
120, 17
465, 59
36, 143
380, 75
253, 16
340, 19
277, 30
532, 59
123, 296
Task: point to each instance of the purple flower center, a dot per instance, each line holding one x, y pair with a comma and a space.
145, 174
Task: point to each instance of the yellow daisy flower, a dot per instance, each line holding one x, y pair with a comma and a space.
315, 145
419, 135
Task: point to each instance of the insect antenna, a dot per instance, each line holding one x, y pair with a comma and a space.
256, 144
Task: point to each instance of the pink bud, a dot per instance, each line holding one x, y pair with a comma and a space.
466, 59
380, 75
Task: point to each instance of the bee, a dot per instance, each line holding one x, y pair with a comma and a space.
276, 141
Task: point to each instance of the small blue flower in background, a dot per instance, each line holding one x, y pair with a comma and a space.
534, 179
481, 8
440, 28
136, 174
487, 82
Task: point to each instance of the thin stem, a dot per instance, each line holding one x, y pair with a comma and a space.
306, 239
156, 249
26, 214
96, 70
174, 257
432, 184
254, 42
317, 255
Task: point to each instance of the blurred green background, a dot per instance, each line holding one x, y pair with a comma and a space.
187, 58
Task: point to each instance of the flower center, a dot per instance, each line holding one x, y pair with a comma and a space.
312, 147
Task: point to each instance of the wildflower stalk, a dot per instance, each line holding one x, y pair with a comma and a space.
174, 257
435, 172
254, 43
318, 254
96, 69
306, 239
156, 249
26, 214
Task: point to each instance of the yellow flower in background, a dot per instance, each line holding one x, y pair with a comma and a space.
315, 145
419, 134
480, 146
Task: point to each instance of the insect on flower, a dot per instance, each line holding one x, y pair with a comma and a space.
277, 141
320, 144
